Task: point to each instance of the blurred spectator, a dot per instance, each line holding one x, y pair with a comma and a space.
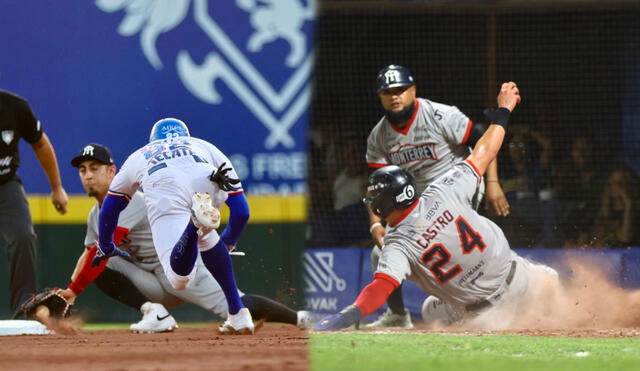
579, 185
617, 222
337, 216
350, 213
526, 180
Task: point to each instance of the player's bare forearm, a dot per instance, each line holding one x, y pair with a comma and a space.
47, 159
79, 264
489, 144
487, 148
495, 200
376, 229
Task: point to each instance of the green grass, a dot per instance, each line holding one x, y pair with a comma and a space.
362, 351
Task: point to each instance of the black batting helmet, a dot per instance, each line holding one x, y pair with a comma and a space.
390, 188
393, 76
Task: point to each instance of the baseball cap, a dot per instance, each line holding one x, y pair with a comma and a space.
93, 151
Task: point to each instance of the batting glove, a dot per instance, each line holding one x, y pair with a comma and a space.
347, 317
105, 252
225, 182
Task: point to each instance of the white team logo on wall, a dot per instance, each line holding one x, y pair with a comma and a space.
271, 20
319, 273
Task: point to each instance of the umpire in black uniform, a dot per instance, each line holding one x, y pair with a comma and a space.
18, 121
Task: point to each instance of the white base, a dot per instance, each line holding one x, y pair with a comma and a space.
22, 327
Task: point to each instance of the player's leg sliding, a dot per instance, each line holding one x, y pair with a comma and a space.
218, 262
271, 311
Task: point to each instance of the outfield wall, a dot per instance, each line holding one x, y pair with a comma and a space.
271, 268
333, 277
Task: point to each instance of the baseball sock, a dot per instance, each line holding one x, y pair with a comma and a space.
269, 310
120, 288
218, 262
395, 301
185, 252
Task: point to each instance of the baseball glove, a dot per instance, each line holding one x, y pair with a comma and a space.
50, 298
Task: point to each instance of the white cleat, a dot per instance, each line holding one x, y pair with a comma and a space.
240, 323
390, 319
203, 215
155, 318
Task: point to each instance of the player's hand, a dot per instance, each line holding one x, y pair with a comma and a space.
220, 177
69, 295
231, 247
347, 317
105, 252
378, 233
495, 200
509, 96
60, 199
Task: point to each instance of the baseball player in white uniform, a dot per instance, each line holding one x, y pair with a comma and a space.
185, 180
440, 242
426, 139
140, 281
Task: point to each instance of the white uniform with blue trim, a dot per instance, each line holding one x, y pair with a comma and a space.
170, 171
452, 252
143, 269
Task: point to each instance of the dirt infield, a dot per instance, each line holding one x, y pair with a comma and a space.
274, 347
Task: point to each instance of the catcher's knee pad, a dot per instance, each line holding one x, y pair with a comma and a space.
437, 312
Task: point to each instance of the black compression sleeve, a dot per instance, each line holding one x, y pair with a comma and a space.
120, 288
269, 310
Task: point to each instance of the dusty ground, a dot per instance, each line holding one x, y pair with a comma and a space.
576, 333
274, 347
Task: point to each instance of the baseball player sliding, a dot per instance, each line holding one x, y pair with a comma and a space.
140, 281
426, 139
440, 242
185, 182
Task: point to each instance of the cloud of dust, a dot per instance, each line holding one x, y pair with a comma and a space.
586, 300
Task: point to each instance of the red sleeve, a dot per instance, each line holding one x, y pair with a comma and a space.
87, 272
375, 294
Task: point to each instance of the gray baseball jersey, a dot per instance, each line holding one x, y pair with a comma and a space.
134, 227
432, 142
443, 245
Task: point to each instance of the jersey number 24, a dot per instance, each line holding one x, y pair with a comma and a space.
440, 256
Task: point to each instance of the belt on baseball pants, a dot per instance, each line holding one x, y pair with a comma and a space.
486, 303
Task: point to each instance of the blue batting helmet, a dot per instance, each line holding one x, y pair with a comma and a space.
168, 128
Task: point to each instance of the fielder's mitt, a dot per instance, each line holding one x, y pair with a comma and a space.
50, 298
